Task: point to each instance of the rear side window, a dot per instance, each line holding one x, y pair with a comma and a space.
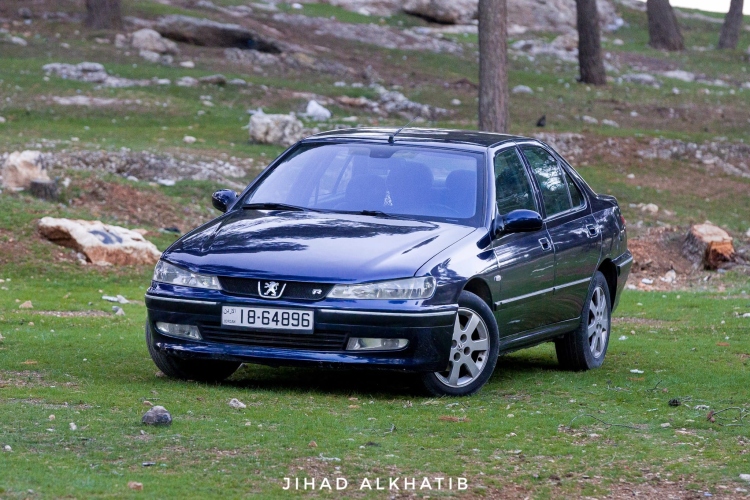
549, 176
512, 186
575, 194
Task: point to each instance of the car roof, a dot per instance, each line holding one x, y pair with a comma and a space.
446, 136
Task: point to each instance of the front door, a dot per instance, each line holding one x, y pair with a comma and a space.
525, 260
573, 230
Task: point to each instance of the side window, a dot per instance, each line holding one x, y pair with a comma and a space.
575, 194
512, 187
549, 177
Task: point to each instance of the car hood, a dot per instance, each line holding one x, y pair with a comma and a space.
312, 246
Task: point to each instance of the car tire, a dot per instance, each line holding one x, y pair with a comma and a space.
585, 347
474, 349
200, 370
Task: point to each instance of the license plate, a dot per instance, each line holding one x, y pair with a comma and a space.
262, 318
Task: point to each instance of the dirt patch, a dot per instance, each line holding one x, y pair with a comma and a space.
640, 62
656, 323
28, 378
71, 314
131, 206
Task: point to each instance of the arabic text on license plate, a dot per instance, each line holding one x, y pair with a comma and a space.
267, 319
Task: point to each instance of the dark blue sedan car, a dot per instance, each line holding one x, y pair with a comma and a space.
430, 251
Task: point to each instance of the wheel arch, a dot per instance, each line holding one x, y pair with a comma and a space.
479, 287
609, 270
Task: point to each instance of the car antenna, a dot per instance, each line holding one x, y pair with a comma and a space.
392, 137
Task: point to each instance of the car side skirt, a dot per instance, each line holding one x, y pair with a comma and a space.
537, 336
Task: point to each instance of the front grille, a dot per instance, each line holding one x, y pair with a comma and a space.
318, 341
292, 289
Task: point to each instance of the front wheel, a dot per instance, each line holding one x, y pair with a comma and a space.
473, 353
199, 370
585, 347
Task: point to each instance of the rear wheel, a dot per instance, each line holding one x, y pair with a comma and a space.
473, 353
585, 347
189, 369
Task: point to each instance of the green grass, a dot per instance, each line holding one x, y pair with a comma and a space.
530, 423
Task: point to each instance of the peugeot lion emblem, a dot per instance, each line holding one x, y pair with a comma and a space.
270, 289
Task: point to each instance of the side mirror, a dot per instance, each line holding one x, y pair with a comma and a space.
223, 199
518, 221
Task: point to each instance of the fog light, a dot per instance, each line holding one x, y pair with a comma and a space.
187, 331
364, 344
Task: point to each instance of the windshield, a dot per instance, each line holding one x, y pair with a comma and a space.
408, 181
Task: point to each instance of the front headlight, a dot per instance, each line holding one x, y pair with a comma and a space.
410, 288
173, 275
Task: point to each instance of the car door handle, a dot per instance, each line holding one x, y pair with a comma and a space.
545, 244
593, 230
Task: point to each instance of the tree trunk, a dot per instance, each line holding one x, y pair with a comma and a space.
493, 66
663, 30
730, 31
103, 14
589, 43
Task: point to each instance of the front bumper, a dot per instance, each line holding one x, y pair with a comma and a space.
428, 329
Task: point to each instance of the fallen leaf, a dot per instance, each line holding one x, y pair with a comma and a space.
353, 399
29, 362
353, 407
636, 379
710, 417
147, 402
312, 444
26, 305
135, 486
722, 344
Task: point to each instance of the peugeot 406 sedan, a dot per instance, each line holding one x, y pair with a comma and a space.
430, 251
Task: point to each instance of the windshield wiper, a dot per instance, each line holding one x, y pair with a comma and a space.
275, 206
379, 213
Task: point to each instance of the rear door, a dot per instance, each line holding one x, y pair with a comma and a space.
525, 260
574, 233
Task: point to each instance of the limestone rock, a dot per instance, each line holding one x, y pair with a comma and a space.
207, 33
158, 415
151, 40
317, 111
20, 169
283, 130
708, 245
102, 244
217, 79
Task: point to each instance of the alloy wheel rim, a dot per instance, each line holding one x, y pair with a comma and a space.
598, 324
469, 350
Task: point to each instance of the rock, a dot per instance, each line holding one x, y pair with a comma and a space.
395, 103
73, 426
744, 477
17, 40
647, 281
119, 299
133, 485
679, 74
214, 79
150, 56
207, 33
316, 111
91, 72
158, 415
708, 245
2, 119
610, 123
642, 78
187, 81
24, 13
522, 89
151, 40
650, 208
238, 82
7, 448
102, 244
665, 425
747, 234
166, 182
237, 404
590, 119
283, 130
119, 311
26, 305
443, 11
20, 169
189, 139
187, 64
669, 277
455, 102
